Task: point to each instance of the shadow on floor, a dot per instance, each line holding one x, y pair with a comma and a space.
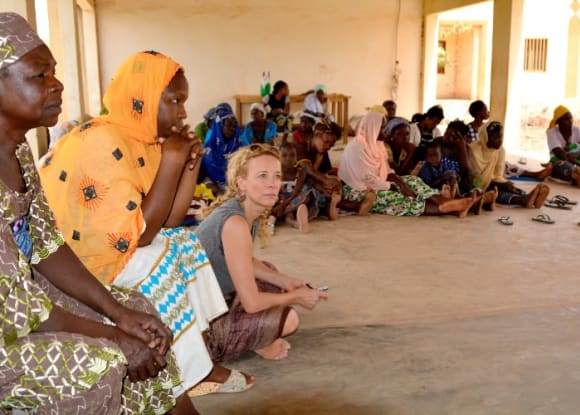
518, 363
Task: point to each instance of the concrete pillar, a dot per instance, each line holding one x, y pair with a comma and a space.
25, 8
506, 62
64, 45
573, 56
90, 55
431, 43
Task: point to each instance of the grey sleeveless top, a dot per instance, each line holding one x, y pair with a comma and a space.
210, 236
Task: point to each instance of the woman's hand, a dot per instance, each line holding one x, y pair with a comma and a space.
143, 362
145, 327
309, 297
403, 188
406, 191
292, 284
179, 145
196, 152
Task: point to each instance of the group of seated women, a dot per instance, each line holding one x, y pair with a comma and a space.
466, 162
134, 310
137, 311
400, 168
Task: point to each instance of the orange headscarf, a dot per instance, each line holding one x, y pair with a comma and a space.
559, 112
97, 176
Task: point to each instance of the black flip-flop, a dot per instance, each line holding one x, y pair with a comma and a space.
564, 200
544, 219
554, 203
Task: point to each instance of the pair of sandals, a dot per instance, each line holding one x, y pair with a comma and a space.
560, 202
543, 218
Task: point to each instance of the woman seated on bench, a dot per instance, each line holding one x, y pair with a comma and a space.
277, 105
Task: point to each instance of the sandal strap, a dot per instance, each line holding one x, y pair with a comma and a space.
561, 199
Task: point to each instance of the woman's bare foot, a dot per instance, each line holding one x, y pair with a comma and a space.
477, 207
489, 199
454, 189
367, 204
543, 193
460, 207
334, 199
547, 172
278, 350
530, 198
302, 218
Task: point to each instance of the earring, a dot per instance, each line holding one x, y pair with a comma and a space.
241, 198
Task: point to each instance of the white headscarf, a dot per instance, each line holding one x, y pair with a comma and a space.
258, 106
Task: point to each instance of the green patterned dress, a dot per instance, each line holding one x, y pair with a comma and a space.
389, 202
57, 372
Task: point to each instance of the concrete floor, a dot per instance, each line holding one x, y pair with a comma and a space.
429, 315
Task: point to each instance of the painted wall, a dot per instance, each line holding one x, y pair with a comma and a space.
225, 45
457, 81
543, 20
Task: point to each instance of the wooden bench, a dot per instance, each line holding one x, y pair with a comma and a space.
337, 103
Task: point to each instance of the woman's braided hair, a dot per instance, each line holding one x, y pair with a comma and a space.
238, 167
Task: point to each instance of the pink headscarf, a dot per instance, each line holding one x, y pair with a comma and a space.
364, 159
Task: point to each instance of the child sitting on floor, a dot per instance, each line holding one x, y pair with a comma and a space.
295, 195
434, 173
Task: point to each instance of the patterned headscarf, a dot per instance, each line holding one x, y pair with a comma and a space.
97, 176
217, 148
17, 38
134, 93
559, 112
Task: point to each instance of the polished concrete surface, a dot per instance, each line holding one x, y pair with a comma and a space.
429, 315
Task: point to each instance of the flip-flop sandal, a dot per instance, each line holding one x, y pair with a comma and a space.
505, 220
235, 383
557, 205
564, 200
544, 219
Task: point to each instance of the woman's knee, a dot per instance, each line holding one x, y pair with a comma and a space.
291, 323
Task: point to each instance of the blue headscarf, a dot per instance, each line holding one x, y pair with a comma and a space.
217, 148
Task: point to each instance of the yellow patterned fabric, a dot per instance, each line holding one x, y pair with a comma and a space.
96, 176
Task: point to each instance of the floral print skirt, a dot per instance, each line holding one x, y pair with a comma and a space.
391, 202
